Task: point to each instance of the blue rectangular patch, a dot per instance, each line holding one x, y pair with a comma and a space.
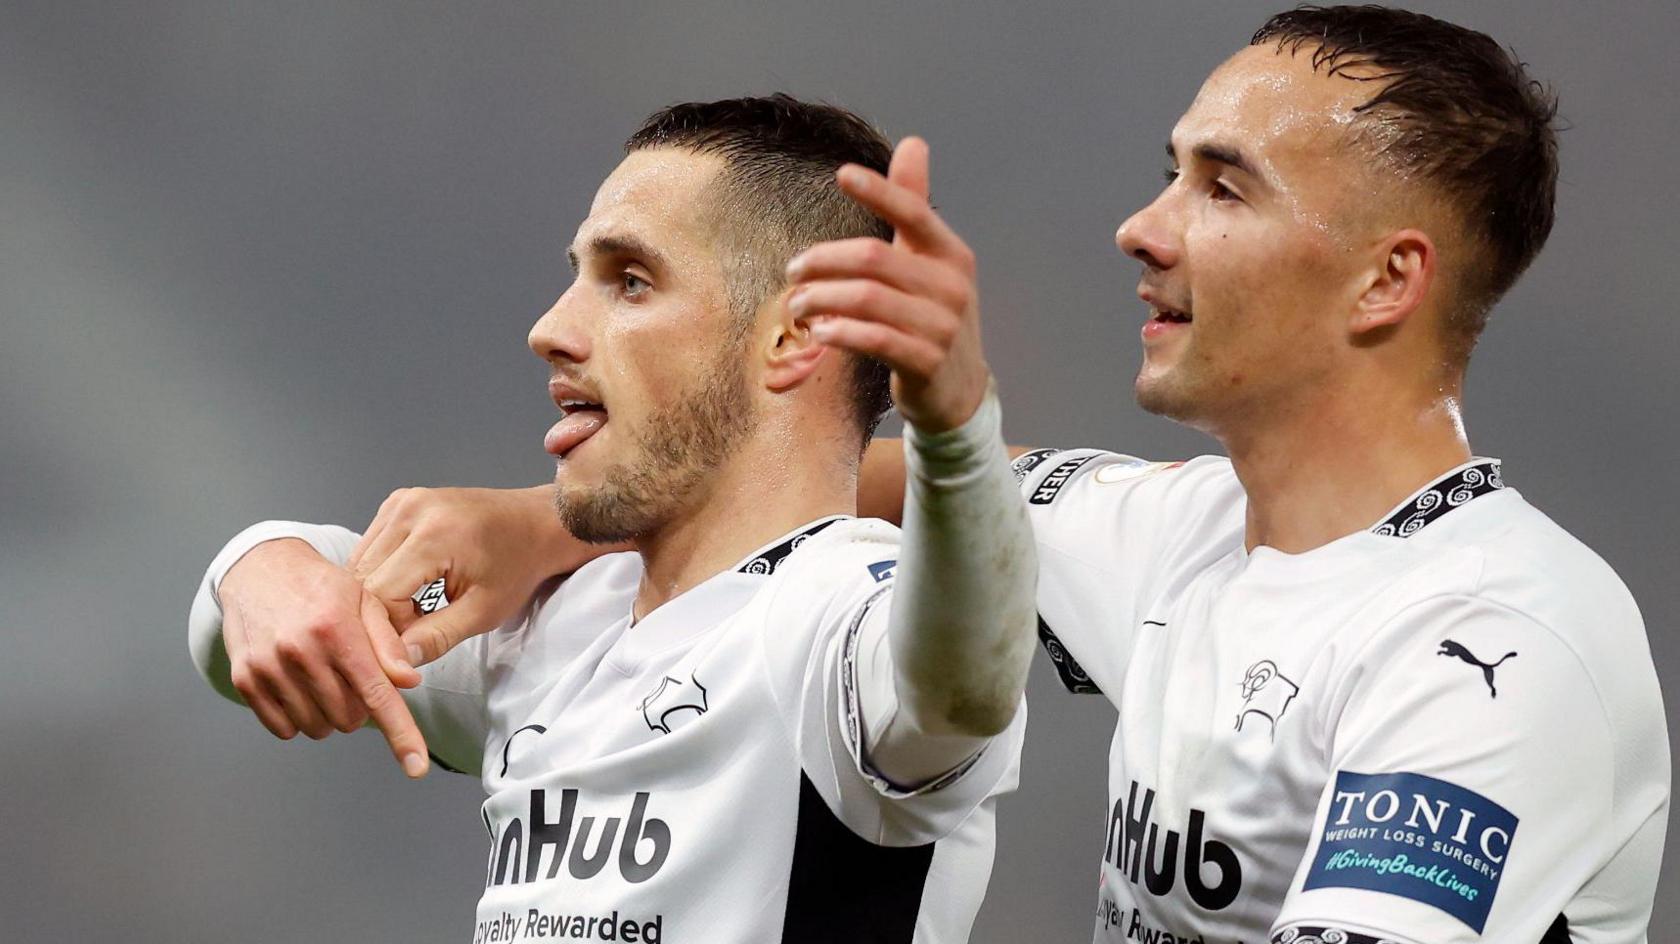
883, 570
1416, 837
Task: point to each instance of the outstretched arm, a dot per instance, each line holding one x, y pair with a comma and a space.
961, 624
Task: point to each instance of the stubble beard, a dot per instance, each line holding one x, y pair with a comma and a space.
680, 445
1162, 394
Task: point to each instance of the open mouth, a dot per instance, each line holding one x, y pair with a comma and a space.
579, 420
1169, 316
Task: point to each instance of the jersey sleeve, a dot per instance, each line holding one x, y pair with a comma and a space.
833, 680
1469, 794
1110, 529
448, 704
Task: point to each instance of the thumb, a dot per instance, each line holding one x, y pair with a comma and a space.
430, 636
387, 645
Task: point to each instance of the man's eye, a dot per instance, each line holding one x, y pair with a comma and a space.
633, 284
1223, 193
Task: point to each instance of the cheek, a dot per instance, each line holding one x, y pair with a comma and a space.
651, 356
1257, 279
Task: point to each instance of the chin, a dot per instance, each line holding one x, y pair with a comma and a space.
601, 515
1157, 393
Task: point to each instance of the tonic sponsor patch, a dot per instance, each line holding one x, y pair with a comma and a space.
1417, 837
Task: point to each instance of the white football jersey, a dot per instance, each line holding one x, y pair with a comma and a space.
1444, 729
701, 775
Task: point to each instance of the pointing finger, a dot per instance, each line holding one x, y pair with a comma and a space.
369, 677
909, 167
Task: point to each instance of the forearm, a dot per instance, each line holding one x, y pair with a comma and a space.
961, 627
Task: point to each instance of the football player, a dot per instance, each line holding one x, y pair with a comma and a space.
765, 720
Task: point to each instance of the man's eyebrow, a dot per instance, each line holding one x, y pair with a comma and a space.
617, 245
1226, 154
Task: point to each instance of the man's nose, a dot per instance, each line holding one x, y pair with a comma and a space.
559, 334
1149, 236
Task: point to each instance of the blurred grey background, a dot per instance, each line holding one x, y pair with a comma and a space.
274, 260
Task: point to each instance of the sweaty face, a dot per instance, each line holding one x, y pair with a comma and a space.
1250, 253
647, 362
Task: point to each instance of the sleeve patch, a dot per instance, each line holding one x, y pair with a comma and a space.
851, 728
883, 570
1073, 675
1046, 491
1416, 837
1028, 461
1131, 468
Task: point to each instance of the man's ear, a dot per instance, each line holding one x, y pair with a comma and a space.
791, 356
1397, 284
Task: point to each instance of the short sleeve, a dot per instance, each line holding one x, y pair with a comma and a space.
840, 598
1470, 785
1110, 529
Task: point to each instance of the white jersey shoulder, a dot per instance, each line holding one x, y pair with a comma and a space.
1111, 529
1446, 728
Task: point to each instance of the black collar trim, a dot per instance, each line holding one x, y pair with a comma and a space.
766, 562
1456, 488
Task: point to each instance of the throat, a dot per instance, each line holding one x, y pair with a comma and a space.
738, 512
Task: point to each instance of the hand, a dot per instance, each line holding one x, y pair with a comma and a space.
492, 547
912, 303
312, 651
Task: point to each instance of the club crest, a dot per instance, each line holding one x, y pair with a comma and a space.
674, 703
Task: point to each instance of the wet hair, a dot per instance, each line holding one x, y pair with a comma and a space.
777, 196
1458, 111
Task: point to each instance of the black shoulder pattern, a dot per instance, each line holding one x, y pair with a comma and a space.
1073, 675
1442, 496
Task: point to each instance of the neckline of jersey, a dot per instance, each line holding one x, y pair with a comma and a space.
765, 560
697, 610
1452, 489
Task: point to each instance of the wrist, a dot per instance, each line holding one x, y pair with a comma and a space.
265, 555
959, 452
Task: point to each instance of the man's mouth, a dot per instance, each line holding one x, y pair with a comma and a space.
579, 420
1168, 315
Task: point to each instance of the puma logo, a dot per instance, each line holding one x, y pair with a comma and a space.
1457, 651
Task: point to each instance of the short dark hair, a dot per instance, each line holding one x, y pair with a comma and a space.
1457, 110
777, 196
